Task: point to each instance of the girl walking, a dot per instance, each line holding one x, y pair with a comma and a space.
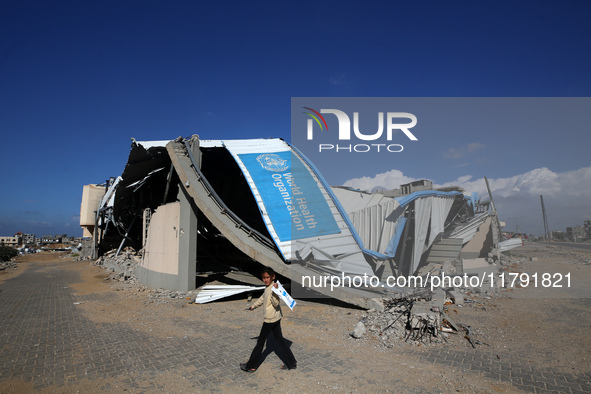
271, 324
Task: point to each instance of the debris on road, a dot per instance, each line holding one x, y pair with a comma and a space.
121, 267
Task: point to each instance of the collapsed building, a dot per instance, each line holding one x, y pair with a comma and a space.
197, 206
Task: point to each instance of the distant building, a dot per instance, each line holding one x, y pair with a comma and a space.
409, 188
28, 239
9, 241
19, 237
576, 233
587, 226
72, 240
559, 235
51, 239
416, 186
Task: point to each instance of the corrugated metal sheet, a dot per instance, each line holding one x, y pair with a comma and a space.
376, 225
355, 200
426, 193
467, 231
374, 216
510, 244
109, 198
445, 250
215, 292
377, 218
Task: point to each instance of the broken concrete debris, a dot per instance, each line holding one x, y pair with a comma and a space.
418, 321
456, 297
161, 296
121, 267
8, 265
359, 330
424, 317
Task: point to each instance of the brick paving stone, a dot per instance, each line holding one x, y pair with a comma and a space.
510, 368
46, 339
42, 329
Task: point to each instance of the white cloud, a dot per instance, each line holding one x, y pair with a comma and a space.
535, 182
567, 195
458, 153
388, 180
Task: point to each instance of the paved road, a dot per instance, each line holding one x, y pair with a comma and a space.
47, 341
518, 369
571, 245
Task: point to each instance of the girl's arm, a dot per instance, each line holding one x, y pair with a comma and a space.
258, 302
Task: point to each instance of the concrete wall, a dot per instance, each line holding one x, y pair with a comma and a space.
161, 251
91, 197
481, 243
170, 253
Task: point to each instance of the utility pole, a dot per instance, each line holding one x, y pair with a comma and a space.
495, 222
547, 233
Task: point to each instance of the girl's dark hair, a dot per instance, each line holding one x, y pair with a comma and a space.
268, 270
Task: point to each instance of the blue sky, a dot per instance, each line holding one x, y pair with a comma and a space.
79, 79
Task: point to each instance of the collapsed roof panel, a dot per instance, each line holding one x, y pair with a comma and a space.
467, 230
268, 200
146, 170
299, 211
255, 244
288, 194
354, 200
380, 221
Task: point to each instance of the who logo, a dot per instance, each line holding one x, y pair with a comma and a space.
390, 125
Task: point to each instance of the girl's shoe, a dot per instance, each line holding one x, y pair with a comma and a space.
243, 367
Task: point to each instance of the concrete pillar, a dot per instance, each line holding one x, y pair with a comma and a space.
187, 260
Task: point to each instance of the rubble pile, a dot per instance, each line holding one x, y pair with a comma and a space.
421, 319
85, 250
8, 265
121, 267
161, 296
403, 320
568, 256
508, 260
